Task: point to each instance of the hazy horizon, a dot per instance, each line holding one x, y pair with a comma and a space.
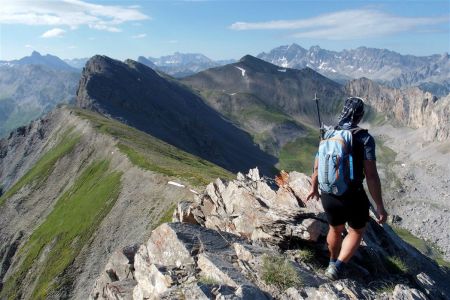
218, 29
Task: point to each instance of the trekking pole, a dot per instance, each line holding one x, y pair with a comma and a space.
318, 114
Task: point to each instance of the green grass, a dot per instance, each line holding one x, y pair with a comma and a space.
40, 171
382, 286
385, 160
397, 265
70, 225
384, 154
264, 113
425, 247
374, 118
299, 154
167, 216
306, 255
279, 271
207, 280
150, 153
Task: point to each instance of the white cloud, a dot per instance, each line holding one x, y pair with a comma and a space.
173, 41
55, 32
28, 46
139, 36
72, 47
346, 24
71, 13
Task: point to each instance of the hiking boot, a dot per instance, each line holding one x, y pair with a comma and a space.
332, 272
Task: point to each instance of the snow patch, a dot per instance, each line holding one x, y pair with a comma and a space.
282, 70
194, 192
322, 65
175, 184
283, 62
242, 70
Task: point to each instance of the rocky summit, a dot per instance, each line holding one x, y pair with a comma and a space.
251, 239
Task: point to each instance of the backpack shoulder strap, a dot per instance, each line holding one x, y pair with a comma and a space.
356, 130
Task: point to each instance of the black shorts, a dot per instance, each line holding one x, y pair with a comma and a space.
351, 207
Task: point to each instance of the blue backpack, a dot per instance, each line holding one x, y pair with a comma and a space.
335, 166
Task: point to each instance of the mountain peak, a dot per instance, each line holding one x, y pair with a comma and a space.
250, 58
48, 60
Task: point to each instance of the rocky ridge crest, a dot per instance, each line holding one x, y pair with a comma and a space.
222, 246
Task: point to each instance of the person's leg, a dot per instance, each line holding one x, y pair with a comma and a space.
334, 240
357, 207
350, 244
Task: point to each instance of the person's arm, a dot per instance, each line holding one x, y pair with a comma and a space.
314, 193
374, 185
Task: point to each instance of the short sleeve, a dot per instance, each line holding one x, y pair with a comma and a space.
369, 148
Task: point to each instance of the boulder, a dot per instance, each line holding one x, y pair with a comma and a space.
120, 290
249, 207
120, 267
403, 292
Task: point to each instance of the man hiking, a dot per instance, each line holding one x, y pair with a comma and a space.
346, 201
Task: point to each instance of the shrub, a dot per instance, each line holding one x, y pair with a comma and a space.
207, 280
305, 255
278, 271
397, 264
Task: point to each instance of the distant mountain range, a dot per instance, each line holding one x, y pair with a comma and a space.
36, 58
77, 63
182, 64
31, 86
429, 72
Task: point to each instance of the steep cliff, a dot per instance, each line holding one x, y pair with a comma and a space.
409, 107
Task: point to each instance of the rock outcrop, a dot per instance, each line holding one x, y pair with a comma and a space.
410, 107
244, 239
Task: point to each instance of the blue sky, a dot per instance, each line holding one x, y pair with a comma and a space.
218, 29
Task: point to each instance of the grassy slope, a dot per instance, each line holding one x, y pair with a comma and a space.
299, 154
79, 211
246, 111
39, 173
65, 231
423, 246
155, 155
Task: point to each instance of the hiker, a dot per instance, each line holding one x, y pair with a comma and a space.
352, 205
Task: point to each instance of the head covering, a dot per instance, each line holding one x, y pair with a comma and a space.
351, 113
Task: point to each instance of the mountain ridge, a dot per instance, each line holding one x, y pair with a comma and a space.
383, 65
134, 93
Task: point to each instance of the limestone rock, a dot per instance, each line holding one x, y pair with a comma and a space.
403, 292
184, 213
249, 207
244, 221
428, 285
118, 268
120, 290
